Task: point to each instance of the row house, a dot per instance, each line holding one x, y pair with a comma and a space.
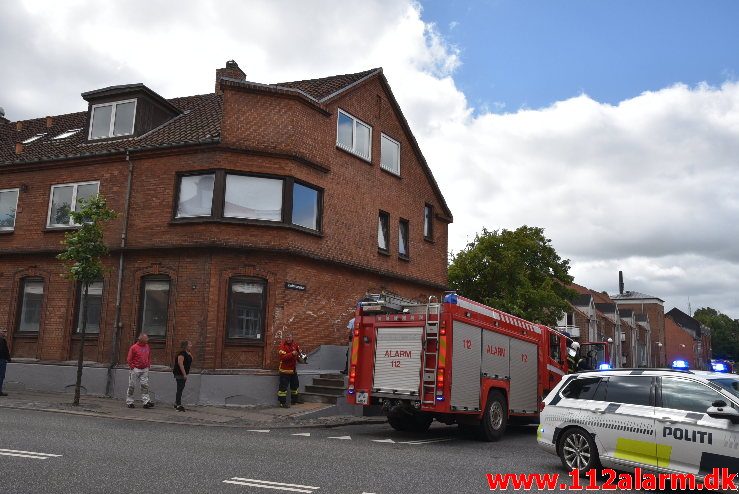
653, 307
687, 339
244, 213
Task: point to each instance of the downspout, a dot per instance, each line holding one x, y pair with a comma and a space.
117, 325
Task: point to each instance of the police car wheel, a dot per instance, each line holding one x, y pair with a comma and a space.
495, 417
577, 450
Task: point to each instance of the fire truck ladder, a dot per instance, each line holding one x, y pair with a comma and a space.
430, 364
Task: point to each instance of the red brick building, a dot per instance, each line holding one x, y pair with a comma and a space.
687, 339
245, 213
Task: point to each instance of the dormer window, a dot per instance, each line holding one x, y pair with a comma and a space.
34, 138
113, 119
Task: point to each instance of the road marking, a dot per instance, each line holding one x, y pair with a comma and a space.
305, 434
341, 437
27, 454
257, 430
383, 441
266, 484
428, 441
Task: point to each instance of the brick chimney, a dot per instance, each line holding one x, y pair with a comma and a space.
232, 71
18, 147
49, 122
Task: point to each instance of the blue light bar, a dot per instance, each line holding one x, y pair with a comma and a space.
604, 366
679, 364
719, 367
450, 298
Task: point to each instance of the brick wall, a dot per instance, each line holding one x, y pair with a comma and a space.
678, 344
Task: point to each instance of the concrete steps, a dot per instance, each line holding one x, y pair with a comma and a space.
326, 388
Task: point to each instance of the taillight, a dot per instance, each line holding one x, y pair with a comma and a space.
353, 375
356, 332
440, 377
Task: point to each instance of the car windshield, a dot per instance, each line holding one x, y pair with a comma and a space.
730, 384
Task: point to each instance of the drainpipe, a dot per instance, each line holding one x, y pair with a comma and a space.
115, 344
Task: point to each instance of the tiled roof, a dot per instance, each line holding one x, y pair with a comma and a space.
320, 89
199, 122
582, 300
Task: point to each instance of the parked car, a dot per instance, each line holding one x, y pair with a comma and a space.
661, 420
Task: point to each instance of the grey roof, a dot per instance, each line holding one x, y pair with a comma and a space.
630, 295
582, 300
606, 307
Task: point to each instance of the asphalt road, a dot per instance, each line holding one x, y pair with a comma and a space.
117, 456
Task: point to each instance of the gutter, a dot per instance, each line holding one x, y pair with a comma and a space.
117, 325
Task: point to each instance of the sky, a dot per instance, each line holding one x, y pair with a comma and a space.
612, 124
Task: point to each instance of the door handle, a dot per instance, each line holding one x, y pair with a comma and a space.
667, 420
598, 410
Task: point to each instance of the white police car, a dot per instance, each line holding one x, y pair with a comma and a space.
658, 419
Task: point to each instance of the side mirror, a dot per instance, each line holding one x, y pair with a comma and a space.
720, 410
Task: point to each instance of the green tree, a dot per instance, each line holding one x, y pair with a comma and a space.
83, 252
724, 332
518, 272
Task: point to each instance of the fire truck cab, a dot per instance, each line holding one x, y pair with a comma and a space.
455, 361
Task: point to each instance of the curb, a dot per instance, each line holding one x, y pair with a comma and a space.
357, 421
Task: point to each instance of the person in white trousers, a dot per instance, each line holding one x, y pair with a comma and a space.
139, 361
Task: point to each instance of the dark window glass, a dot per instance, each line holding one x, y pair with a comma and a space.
246, 309
382, 231
582, 389
682, 394
305, 206
155, 306
403, 231
630, 390
570, 319
428, 214
124, 114
729, 384
94, 307
32, 293
554, 347
196, 196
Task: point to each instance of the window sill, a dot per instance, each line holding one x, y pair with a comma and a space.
88, 336
7, 232
245, 342
390, 172
384, 252
404, 258
26, 335
352, 153
429, 240
61, 228
237, 221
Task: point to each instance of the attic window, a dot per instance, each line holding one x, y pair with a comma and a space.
34, 138
112, 119
354, 136
65, 134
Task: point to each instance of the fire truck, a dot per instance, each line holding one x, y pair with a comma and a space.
454, 361
598, 355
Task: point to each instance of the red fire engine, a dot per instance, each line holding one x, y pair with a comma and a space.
457, 362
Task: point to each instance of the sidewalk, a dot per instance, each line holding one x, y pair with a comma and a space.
256, 417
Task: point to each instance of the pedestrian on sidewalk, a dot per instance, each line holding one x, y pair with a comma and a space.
4, 358
288, 354
350, 327
181, 370
139, 361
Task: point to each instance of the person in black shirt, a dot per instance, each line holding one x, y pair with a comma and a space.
4, 358
181, 370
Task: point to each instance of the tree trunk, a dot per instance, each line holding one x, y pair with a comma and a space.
81, 355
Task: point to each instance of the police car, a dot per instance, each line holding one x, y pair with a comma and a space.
660, 420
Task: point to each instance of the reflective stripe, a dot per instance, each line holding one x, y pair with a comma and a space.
442, 351
555, 370
477, 308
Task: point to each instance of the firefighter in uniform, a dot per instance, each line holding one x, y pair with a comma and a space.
288, 354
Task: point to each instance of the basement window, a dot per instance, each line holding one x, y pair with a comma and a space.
354, 136
113, 119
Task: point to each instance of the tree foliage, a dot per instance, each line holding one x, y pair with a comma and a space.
84, 249
724, 332
518, 272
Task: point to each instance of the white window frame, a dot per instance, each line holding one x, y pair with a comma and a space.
354, 136
73, 205
15, 217
385, 136
111, 125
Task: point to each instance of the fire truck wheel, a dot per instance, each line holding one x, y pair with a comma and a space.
399, 423
421, 423
415, 423
495, 418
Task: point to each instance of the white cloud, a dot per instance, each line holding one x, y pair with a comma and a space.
647, 186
